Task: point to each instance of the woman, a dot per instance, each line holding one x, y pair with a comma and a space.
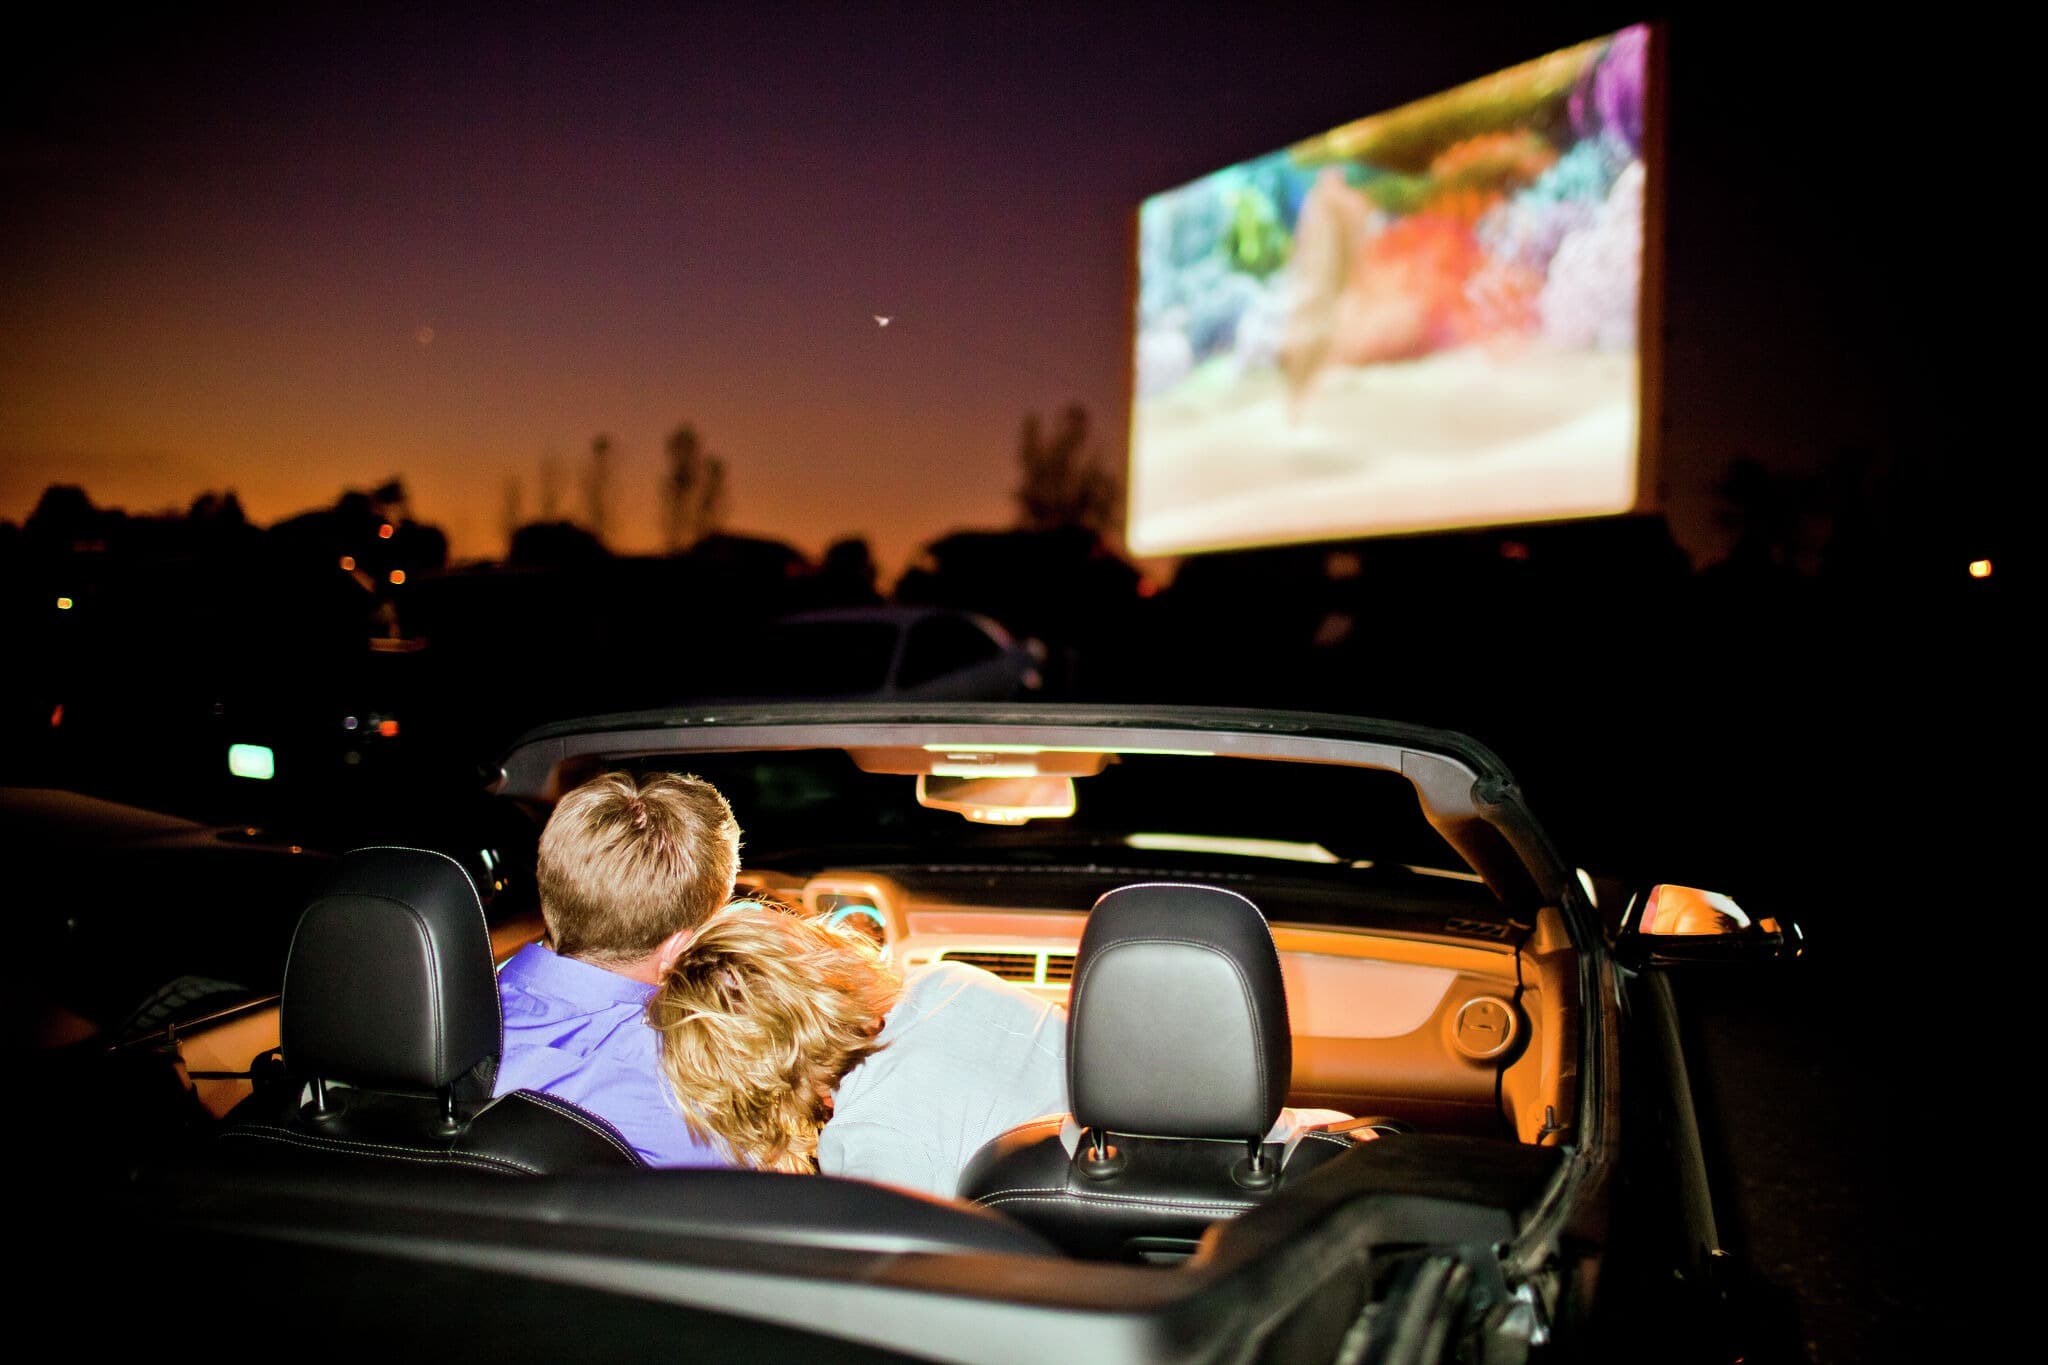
799, 1048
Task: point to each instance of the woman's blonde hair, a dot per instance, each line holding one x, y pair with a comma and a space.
762, 1014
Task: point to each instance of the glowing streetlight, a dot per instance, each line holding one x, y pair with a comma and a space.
1980, 568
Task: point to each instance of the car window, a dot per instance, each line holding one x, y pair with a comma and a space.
820, 659
942, 645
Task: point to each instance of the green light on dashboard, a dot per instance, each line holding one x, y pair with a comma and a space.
253, 761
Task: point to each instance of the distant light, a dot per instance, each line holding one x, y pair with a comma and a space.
1514, 549
384, 531
349, 722
397, 576
64, 603
352, 757
57, 715
388, 728
254, 761
348, 563
1979, 568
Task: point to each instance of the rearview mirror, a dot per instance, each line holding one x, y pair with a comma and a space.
999, 800
1671, 925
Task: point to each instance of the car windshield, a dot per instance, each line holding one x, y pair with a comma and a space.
1328, 843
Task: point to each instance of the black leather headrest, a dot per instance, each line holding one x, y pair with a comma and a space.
1178, 1024
390, 983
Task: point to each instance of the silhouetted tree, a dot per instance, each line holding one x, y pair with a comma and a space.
388, 501
597, 485
511, 511
846, 576
693, 495
555, 545
65, 519
1064, 480
550, 487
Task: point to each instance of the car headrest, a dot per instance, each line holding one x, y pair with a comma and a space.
389, 983
1178, 1021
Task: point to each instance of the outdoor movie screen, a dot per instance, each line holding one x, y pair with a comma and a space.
1425, 319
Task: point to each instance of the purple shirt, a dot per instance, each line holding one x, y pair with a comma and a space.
580, 1033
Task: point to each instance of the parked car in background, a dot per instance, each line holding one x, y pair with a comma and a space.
1522, 1178
876, 653
126, 920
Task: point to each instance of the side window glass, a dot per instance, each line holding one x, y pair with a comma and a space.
943, 645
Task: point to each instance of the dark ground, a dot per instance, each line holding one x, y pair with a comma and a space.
1853, 1160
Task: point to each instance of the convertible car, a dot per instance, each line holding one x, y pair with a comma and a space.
1245, 914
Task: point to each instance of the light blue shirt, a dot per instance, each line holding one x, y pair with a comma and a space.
580, 1033
965, 1056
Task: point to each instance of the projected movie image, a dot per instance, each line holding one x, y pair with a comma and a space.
1423, 319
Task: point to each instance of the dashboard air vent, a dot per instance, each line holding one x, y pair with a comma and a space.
1009, 966
1026, 966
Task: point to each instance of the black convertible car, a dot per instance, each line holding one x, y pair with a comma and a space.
322, 1172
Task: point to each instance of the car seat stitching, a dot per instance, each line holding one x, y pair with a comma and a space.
420, 1155
570, 1111
1109, 1201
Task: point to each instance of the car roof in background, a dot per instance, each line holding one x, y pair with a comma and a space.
46, 815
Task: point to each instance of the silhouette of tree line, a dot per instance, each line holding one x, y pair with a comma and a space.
1663, 711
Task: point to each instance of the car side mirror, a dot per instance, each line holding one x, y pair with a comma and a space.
1671, 926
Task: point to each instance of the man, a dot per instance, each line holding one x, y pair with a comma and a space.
628, 870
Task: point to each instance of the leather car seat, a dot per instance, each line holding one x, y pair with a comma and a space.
1178, 1060
390, 1036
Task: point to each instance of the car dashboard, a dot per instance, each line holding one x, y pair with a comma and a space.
1449, 1032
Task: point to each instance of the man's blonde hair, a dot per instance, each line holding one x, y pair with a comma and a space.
626, 862
763, 1014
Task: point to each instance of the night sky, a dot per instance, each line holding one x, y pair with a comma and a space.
294, 252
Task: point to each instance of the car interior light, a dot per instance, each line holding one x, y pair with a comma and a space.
254, 761
984, 770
